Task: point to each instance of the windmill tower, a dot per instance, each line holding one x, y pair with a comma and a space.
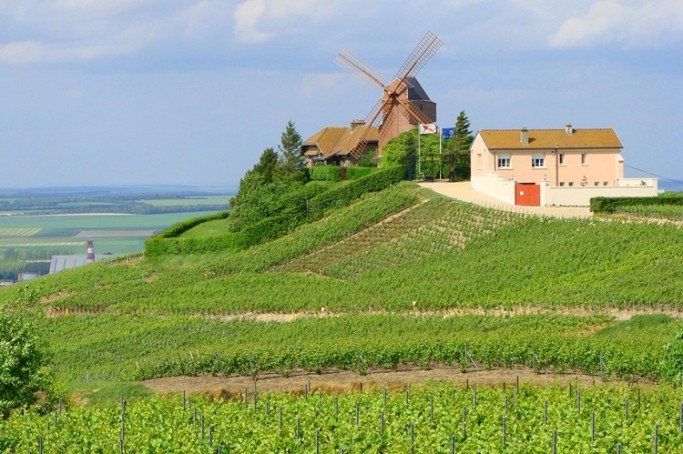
404, 102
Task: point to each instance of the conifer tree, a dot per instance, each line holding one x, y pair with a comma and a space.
457, 152
290, 149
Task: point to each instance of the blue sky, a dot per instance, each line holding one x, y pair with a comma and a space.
122, 92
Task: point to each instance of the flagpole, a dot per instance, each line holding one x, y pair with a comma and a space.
438, 130
419, 167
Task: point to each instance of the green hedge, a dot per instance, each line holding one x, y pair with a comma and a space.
325, 173
181, 227
298, 212
336, 173
345, 194
610, 204
354, 173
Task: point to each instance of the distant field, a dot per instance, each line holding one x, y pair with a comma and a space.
190, 201
18, 232
118, 234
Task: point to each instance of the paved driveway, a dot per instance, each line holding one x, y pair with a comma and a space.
462, 191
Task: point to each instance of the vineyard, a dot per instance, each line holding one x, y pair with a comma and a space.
137, 348
396, 278
510, 418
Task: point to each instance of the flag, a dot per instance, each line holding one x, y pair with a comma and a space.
447, 132
427, 128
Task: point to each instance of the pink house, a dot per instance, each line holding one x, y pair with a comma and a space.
552, 166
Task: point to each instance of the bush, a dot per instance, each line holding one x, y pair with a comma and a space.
181, 227
295, 208
345, 194
610, 204
354, 173
325, 173
21, 361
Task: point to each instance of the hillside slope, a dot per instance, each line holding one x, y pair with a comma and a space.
387, 265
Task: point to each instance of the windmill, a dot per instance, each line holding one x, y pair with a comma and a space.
404, 102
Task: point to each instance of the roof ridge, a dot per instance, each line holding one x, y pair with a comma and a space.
547, 129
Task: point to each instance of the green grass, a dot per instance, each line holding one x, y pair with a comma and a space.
207, 229
103, 393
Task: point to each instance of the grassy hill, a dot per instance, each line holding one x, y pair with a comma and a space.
391, 265
397, 277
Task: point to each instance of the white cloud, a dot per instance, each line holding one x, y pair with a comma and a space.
653, 23
257, 21
247, 15
81, 30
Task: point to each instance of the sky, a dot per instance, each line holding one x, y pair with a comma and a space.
181, 92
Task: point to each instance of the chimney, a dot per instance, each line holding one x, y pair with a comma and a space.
524, 136
357, 122
568, 129
90, 253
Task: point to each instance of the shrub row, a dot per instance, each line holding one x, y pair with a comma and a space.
298, 212
336, 173
345, 194
324, 173
610, 204
181, 227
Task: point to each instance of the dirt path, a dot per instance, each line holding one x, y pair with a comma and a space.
345, 381
284, 317
616, 313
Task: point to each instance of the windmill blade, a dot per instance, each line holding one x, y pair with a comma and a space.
372, 120
410, 110
424, 50
384, 131
352, 63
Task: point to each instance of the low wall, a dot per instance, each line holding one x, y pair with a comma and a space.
639, 182
581, 195
494, 186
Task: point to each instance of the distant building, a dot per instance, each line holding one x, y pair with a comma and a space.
27, 276
64, 262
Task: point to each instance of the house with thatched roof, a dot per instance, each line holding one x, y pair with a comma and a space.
336, 145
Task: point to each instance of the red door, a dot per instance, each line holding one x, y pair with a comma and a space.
528, 194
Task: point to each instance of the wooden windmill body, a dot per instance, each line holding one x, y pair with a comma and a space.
404, 102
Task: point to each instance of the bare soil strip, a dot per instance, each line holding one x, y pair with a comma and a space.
616, 313
286, 317
336, 381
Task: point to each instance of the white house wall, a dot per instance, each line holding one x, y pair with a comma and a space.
491, 185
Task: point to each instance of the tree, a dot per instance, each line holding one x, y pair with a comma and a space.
458, 147
21, 361
268, 166
415, 152
291, 158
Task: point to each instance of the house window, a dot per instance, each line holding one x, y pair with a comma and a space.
561, 183
571, 183
538, 160
561, 158
597, 183
504, 161
604, 183
583, 159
